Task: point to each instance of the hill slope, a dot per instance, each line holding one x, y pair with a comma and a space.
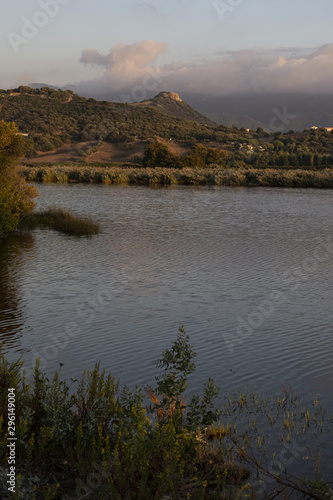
171, 104
53, 118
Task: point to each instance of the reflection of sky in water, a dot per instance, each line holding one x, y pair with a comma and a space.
206, 258
13, 252
202, 257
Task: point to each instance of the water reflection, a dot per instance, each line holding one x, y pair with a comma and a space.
13, 250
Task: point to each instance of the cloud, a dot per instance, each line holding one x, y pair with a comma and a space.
246, 72
129, 67
125, 61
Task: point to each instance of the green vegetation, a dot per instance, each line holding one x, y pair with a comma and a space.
60, 220
158, 155
230, 156
16, 198
171, 104
218, 176
53, 118
99, 441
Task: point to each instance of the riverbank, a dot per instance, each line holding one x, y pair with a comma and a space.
215, 176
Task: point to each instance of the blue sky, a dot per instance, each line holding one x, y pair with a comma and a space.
43, 40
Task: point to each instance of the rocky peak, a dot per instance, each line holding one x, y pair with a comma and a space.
170, 95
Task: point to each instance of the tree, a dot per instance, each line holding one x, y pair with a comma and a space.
158, 155
16, 197
201, 156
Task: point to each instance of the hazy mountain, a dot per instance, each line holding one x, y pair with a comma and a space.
41, 85
273, 111
230, 119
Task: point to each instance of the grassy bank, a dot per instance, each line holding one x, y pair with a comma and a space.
96, 440
265, 177
60, 220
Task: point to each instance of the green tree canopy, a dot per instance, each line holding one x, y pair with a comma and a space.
158, 155
16, 197
201, 156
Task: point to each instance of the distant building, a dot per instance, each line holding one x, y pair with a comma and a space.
329, 129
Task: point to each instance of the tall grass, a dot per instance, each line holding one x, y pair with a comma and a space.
266, 177
60, 220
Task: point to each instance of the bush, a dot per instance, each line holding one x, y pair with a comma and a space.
97, 441
158, 155
16, 198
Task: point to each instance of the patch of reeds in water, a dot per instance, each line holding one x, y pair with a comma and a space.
60, 220
249, 177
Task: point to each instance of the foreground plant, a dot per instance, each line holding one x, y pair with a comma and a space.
16, 197
102, 442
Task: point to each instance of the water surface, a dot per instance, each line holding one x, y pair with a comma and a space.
245, 270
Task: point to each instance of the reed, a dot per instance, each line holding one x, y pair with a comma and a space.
213, 175
60, 220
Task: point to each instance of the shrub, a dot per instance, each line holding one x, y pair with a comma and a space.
16, 198
97, 441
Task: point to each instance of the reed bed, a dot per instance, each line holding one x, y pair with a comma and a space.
250, 177
60, 220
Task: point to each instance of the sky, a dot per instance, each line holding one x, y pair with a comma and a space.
134, 48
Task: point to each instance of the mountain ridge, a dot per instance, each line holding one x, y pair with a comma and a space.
171, 104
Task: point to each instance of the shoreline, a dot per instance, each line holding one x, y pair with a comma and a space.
211, 176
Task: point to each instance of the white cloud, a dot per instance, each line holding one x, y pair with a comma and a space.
238, 72
125, 61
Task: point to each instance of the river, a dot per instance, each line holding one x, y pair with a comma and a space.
248, 272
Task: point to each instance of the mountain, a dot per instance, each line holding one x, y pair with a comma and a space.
41, 85
56, 118
230, 119
299, 111
284, 112
61, 126
171, 104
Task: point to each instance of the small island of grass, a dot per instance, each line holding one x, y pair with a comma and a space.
60, 220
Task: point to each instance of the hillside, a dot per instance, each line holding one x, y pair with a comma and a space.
171, 104
53, 118
64, 127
